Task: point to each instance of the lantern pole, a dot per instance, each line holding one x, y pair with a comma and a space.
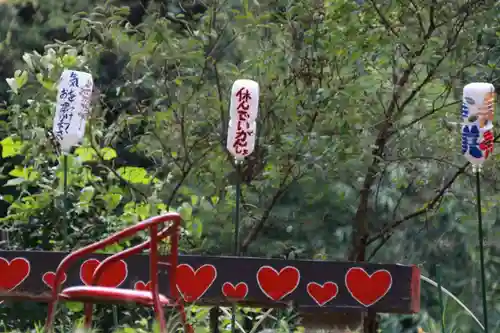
236, 248
243, 110
65, 200
65, 177
477, 170
237, 210
478, 108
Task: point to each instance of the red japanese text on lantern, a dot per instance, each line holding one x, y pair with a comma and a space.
243, 113
243, 130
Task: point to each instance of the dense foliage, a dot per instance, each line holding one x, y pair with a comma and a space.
358, 145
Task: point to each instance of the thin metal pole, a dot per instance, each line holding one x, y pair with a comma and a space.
481, 248
237, 210
440, 293
65, 200
236, 249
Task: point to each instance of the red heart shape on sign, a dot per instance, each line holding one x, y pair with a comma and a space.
192, 285
322, 294
139, 285
239, 291
49, 279
13, 272
113, 276
368, 289
278, 285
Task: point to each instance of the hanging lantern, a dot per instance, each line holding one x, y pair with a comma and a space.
243, 113
478, 106
73, 107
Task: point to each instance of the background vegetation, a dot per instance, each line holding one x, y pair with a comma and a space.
358, 146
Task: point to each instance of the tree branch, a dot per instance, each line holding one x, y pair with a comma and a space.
379, 186
428, 207
428, 158
252, 234
386, 232
223, 120
186, 169
111, 169
416, 12
400, 199
425, 115
385, 22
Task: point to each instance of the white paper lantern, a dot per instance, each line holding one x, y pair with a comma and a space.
478, 106
73, 107
243, 112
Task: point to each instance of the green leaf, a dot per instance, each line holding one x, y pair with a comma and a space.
21, 78
112, 200
7, 198
202, 313
15, 182
86, 154
17, 172
108, 153
197, 228
13, 85
161, 207
129, 207
126, 330
69, 61
134, 175
74, 306
113, 248
24, 173
10, 147
185, 211
46, 83
70, 162
143, 211
27, 59
86, 194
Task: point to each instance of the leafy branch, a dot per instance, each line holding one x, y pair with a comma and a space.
284, 184
388, 230
104, 163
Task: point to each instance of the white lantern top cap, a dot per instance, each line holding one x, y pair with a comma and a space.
249, 84
479, 86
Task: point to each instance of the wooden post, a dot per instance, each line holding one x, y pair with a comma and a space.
214, 319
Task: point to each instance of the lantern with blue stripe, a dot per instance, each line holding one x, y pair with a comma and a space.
477, 122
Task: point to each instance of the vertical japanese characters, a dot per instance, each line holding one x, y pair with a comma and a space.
478, 106
73, 107
243, 113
